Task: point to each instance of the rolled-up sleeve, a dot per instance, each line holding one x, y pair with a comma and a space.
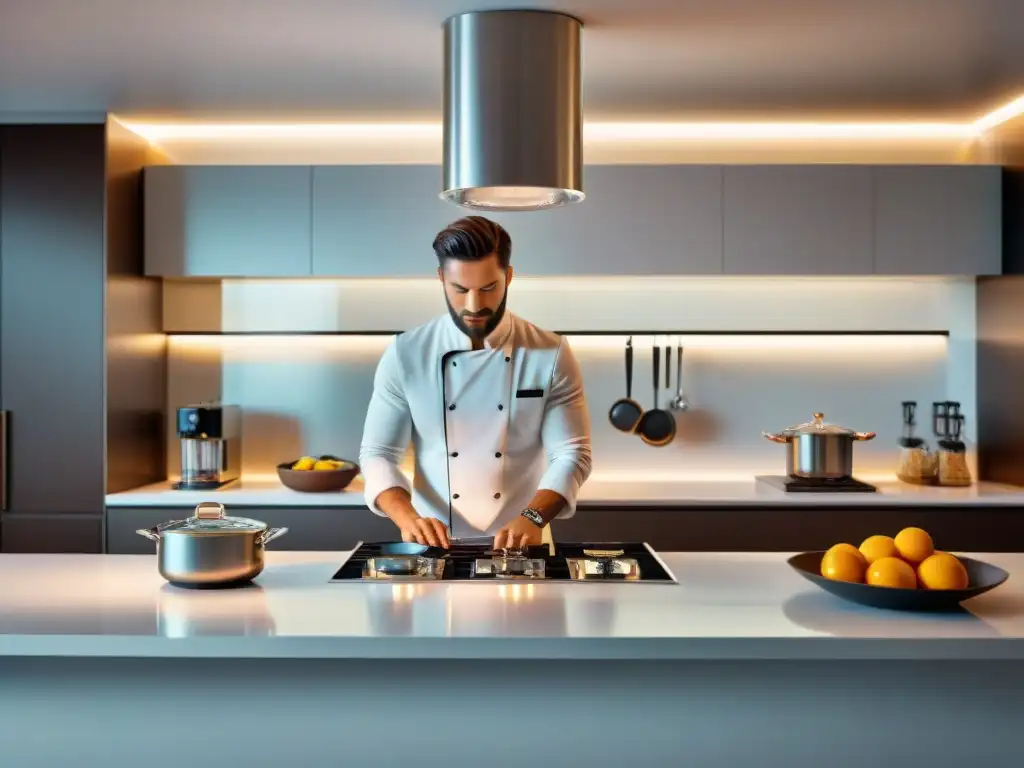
566, 431
387, 431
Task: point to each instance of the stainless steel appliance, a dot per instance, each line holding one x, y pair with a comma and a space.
479, 562
211, 445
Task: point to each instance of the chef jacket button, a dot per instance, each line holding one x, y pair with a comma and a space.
455, 454
508, 359
497, 455
451, 407
454, 364
497, 495
501, 407
455, 495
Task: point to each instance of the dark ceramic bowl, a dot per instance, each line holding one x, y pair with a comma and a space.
981, 577
317, 480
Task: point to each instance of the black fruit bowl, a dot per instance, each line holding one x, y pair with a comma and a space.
981, 577
317, 480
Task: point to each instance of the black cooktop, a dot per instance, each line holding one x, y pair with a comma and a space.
810, 485
461, 559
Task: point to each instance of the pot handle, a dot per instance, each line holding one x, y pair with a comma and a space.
863, 435
149, 533
775, 437
272, 533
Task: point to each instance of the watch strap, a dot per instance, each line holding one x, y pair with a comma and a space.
534, 516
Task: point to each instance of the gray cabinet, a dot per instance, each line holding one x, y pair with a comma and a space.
52, 360
380, 221
797, 220
228, 221
636, 220
377, 220
938, 220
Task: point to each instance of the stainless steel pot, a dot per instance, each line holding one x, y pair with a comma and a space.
211, 549
819, 451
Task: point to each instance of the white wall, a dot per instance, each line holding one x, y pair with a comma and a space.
307, 394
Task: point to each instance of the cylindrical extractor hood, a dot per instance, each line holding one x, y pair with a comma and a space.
512, 110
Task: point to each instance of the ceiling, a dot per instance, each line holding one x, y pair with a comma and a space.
643, 59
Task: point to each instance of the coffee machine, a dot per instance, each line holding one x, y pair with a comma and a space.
211, 446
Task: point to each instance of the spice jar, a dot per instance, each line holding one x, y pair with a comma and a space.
917, 465
953, 469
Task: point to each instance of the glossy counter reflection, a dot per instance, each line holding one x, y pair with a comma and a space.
726, 605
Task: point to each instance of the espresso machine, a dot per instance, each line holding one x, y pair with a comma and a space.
211, 446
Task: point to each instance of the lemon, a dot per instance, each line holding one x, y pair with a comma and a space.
306, 462
891, 572
914, 545
323, 465
840, 564
846, 548
876, 547
942, 571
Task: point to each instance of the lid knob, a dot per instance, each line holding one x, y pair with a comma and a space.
818, 417
209, 510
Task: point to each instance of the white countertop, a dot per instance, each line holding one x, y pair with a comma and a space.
267, 491
725, 606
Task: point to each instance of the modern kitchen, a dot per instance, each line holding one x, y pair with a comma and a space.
785, 247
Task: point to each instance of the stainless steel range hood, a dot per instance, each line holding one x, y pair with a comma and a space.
512, 110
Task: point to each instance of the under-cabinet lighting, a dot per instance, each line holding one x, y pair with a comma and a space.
255, 347
159, 131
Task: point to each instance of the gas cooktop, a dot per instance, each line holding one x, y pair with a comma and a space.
568, 562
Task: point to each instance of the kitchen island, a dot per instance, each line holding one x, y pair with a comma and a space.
741, 662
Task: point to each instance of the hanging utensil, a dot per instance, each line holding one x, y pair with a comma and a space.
625, 412
657, 427
679, 402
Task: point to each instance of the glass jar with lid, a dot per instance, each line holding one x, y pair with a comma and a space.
917, 464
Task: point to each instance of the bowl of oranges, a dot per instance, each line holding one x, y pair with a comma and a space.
904, 573
317, 475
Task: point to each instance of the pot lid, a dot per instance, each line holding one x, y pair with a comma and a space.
209, 517
818, 427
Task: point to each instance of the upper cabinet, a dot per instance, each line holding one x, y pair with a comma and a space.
377, 220
938, 220
228, 221
636, 220
380, 221
797, 220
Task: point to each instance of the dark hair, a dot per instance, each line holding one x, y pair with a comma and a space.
471, 239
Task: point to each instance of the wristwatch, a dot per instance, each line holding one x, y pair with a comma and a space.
533, 516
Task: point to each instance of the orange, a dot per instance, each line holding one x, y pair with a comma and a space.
843, 564
891, 572
942, 571
914, 545
847, 548
876, 547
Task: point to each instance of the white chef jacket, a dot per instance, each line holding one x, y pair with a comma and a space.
488, 427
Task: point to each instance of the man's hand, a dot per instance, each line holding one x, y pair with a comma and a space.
397, 504
424, 530
518, 534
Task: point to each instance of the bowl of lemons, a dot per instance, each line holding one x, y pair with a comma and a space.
904, 573
322, 474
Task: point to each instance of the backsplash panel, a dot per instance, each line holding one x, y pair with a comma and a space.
308, 393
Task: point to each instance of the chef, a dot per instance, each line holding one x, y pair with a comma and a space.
493, 406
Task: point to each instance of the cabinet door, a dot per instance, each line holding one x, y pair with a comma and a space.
798, 220
636, 220
228, 221
378, 220
52, 320
938, 220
